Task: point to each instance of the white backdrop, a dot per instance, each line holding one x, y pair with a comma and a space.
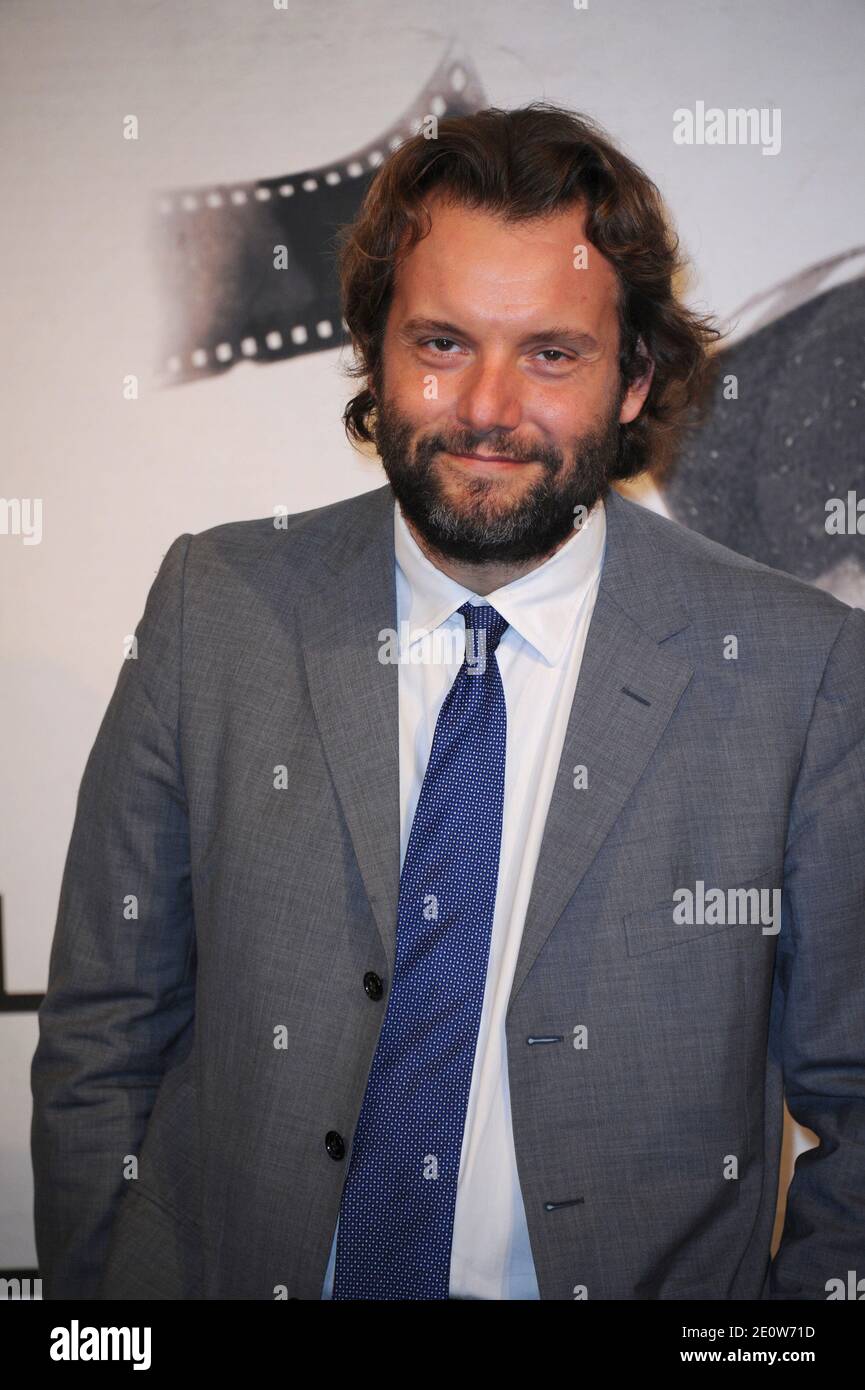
231, 89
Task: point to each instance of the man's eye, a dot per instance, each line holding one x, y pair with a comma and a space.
437, 342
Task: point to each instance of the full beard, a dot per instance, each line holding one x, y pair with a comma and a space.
478, 527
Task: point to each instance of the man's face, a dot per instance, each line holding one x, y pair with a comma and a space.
497, 345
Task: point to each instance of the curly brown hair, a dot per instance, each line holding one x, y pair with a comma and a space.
524, 163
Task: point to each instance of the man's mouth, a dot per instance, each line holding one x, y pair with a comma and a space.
498, 459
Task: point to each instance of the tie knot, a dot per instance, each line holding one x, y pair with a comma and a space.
484, 618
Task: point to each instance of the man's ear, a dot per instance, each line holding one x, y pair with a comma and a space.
637, 392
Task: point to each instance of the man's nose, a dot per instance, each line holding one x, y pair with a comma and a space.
489, 398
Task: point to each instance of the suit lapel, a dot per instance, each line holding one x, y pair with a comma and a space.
355, 697
627, 690
626, 693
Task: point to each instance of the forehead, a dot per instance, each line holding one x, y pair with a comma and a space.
474, 262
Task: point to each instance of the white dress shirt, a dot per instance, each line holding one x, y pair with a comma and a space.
539, 656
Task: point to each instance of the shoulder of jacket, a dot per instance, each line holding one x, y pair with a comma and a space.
297, 539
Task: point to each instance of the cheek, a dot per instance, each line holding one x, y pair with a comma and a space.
561, 414
577, 408
418, 390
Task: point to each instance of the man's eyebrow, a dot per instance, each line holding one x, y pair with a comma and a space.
559, 333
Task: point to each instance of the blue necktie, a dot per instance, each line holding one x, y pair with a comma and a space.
397, 1211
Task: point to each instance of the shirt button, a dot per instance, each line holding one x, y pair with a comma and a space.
334, 1144
373, 985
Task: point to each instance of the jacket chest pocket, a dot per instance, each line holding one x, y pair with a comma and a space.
747, 908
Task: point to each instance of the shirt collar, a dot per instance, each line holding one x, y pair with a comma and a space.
542, 606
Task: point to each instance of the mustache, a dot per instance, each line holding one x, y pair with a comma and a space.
436, 444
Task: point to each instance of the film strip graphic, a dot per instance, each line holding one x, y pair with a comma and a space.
225, 299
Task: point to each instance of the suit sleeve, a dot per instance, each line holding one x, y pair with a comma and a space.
821, 972
119, 1003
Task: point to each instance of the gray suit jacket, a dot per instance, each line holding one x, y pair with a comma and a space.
231, 884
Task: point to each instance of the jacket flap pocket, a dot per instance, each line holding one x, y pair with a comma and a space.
748, 906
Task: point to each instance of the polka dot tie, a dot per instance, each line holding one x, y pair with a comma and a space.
397, 1211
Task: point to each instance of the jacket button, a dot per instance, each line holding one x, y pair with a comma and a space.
373, 985
334, 1144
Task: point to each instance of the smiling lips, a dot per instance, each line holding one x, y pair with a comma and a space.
484, 458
